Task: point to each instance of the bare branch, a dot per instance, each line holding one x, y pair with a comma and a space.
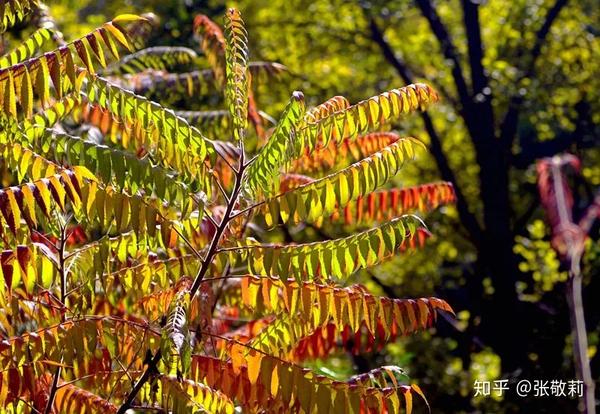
481, 100
448, 49
508, 126
479, 79
223, 192
222, 226
592, 213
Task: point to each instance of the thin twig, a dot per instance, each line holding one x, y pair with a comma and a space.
210, 218
247, 209
194, 250
572, 257
224, 158
148, 373
223, 192
83, 377
579, 333
251, 160
63, 297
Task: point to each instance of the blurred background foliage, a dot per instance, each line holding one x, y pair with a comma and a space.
511, 317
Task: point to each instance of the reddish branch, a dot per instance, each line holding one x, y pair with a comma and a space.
228, 216
62, 272
568, 240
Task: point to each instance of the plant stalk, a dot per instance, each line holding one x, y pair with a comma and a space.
587, 403
227, 217
63, 297
213, 249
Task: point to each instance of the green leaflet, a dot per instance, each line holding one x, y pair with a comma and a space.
278, 150
13, 11
164, 58
236, 72
170, 138
28, 48
175, 341
332, 259
25, 267
318, 199
135, 137
170, 87
215, 124
188, 396
365, 116
34, 75
112, 210
280, 336
27, 164
47, 118
75, 340
97, 205
122, 169
151, 277
91, 265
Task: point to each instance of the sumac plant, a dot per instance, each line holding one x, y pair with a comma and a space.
136, 269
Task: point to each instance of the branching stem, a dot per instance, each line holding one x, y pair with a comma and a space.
206, 262
227, 217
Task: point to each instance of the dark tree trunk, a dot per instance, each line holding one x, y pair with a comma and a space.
504, 322
512, 328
